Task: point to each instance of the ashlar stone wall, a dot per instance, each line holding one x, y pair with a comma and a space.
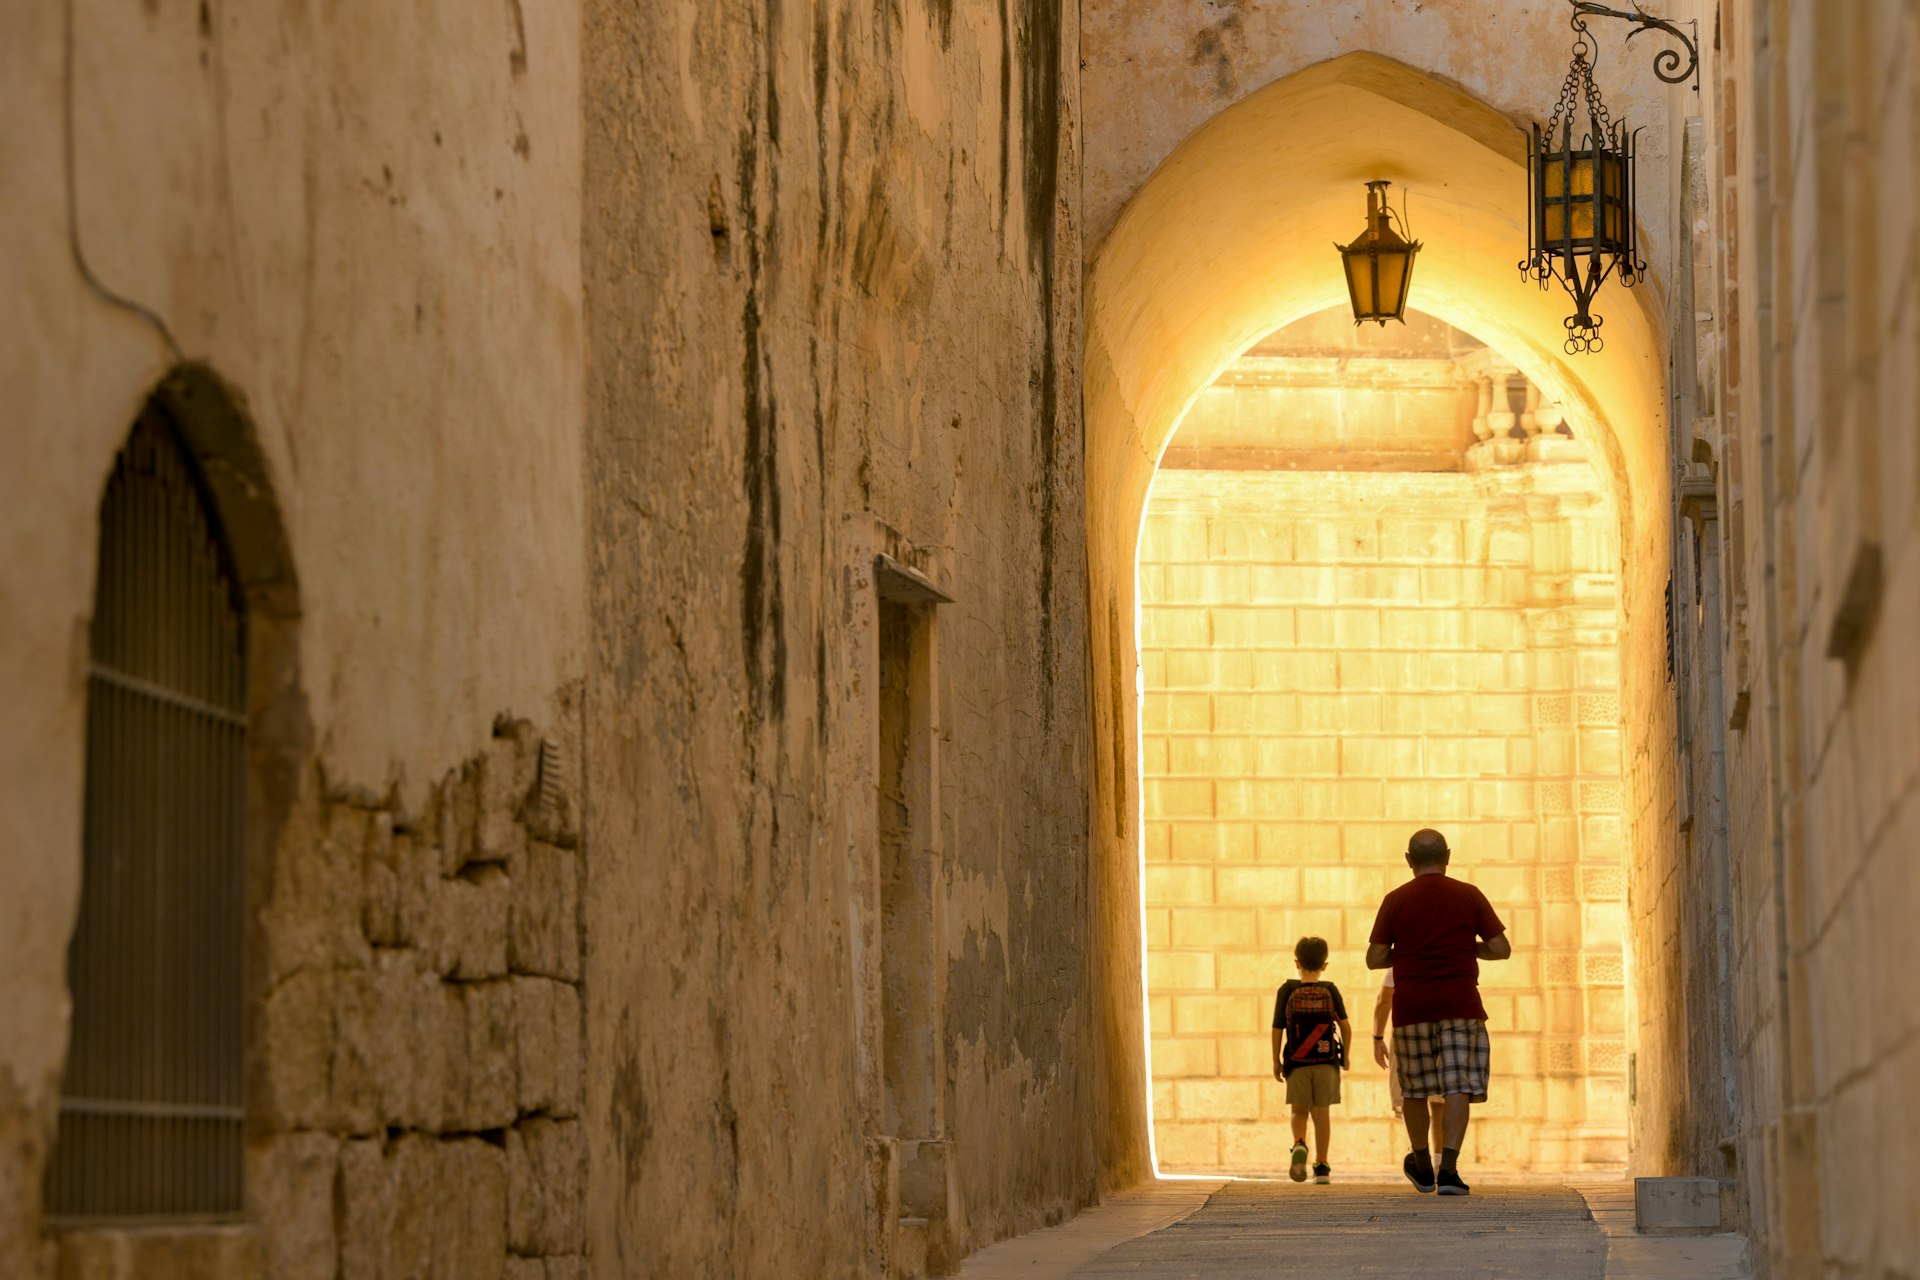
418, 1057
1332, 660
421, 1044
1791, 1009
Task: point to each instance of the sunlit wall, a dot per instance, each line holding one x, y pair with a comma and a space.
1377, 586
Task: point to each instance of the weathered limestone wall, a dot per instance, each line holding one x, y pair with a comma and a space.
832, 259
364, 220
1331, 661
1798, 468
592, 355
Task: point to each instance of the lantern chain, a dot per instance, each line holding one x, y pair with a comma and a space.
1579, 88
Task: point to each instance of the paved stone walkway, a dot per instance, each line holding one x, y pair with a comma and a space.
1373, 1227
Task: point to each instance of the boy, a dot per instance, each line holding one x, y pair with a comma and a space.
1310, 1038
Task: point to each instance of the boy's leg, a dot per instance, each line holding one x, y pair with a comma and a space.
1322, 1124
1300, 1110
1438, 1105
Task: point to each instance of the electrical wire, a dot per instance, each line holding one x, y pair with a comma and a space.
99, 287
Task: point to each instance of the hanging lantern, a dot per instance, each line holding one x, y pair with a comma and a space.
1379, 264
1580, 195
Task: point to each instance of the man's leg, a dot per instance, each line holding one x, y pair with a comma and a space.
1418, 1166
1455, 1127
1414, 1113
1322, 1124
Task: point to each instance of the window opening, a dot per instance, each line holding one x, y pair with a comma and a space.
152, 1108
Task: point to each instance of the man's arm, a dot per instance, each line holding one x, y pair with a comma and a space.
1380, 955
1498, 947
1278, 1074
1382, 1009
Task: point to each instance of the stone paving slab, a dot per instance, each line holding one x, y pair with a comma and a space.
1055, 1252
1367, 1226
1260, 1229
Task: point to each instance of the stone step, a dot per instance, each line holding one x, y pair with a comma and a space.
1677, 1206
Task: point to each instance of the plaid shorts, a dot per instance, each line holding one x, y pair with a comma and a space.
1449, 1056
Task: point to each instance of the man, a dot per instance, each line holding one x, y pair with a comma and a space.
1433, 931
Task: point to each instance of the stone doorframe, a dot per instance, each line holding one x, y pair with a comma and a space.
892, 595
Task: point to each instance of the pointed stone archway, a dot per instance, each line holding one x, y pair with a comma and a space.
1230, 239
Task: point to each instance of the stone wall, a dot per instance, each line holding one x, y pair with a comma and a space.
418, 1058
1798, 475
358, 228
1332, 660
600, 349
832, 268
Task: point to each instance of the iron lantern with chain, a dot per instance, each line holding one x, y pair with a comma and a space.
1581, 228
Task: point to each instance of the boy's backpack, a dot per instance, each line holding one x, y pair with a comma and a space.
1311, 1039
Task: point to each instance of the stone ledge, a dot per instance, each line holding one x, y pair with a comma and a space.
233, 1251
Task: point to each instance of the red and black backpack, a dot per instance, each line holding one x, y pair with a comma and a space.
1311, 1037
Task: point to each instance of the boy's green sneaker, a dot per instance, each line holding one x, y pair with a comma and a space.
1298, 1170
1323, 1174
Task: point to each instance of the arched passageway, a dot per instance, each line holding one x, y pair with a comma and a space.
1378, 585
1230, 240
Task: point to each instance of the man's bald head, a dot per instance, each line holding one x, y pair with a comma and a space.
1427, 848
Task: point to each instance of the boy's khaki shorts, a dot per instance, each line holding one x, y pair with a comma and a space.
1317, 1086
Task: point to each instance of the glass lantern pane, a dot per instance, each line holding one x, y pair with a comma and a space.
1553, 176
1360, 282
1583, 173
1554, 225
1393, 277
1583, 221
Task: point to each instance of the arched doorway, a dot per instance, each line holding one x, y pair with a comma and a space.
1230, 240
1378, 583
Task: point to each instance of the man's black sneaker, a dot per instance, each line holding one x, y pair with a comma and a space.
1450, 1184
1422, 1182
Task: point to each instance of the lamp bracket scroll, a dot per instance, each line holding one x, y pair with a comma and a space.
1669, 64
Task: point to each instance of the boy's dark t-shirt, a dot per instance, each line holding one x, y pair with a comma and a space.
1434, 924
1288, 1047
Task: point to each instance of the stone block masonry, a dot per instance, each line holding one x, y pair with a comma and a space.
419, 1055
1335, 659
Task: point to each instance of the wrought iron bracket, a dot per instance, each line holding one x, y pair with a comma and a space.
1669, 64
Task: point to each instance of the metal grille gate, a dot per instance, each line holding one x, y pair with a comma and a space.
152, 1110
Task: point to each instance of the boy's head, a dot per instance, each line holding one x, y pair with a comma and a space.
1310, 954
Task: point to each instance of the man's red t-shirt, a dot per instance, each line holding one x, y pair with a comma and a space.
1434, 924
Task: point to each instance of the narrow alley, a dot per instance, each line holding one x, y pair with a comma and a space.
886, 639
